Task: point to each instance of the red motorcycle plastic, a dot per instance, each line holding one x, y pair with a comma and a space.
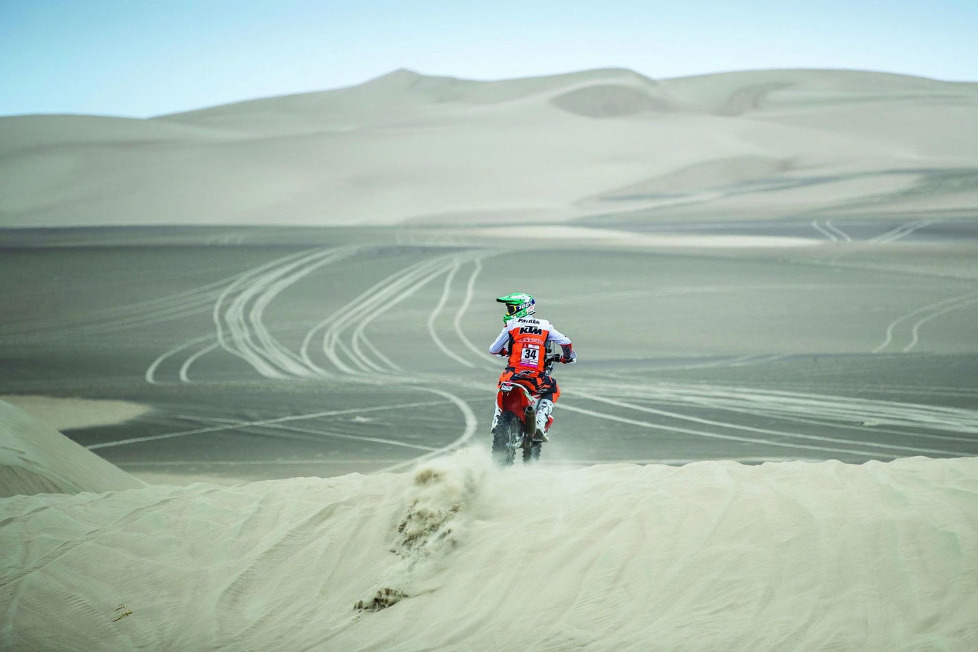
516, 427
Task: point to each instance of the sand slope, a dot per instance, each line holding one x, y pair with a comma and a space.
410, 147
36, 458
457, 555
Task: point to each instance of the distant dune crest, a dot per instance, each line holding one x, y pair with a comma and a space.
410, 147
609, 101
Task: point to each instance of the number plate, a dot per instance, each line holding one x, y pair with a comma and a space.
530, 357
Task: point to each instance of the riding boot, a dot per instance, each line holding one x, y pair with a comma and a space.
544, 408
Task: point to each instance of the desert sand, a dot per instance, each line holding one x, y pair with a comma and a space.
457, 555
805, 237
35, 458
412, 148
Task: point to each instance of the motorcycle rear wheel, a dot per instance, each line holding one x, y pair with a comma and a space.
532, 454
504, 438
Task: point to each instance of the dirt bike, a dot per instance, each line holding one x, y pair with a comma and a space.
516, 427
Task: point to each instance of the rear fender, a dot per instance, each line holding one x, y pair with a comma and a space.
513, 397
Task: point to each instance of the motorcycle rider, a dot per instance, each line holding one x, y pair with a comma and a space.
524, 341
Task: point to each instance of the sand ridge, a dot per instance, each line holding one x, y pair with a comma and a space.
406, 147
445, 551
71, 413
457, 554
36, 458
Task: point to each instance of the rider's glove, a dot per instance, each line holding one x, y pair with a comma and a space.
569, 357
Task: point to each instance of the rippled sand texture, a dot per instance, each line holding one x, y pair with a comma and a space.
455, 554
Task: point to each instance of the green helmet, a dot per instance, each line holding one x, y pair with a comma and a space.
518, 304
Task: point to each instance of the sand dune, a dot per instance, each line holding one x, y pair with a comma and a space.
456, 554
36, 458
71, 413
410, 147
459, 555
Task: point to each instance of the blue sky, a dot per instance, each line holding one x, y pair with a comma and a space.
140, 58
